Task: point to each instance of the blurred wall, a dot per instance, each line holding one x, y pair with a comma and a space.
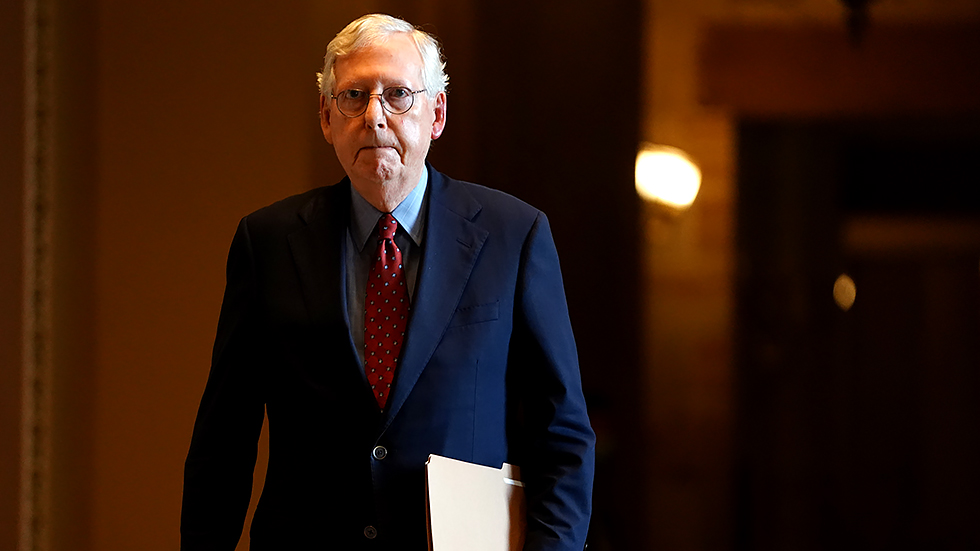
708, 65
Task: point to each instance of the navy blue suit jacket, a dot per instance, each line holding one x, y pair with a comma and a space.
489, 373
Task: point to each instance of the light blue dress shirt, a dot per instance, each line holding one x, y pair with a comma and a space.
362, 244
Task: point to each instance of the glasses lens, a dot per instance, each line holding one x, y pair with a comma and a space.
352, 102
398, 99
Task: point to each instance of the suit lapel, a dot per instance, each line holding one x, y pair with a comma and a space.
318, 249
450, 250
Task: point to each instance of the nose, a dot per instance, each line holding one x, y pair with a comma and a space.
375, 115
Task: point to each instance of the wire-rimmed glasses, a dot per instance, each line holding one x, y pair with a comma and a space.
396, 100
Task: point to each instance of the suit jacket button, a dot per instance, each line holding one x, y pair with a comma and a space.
370, 532
379, 452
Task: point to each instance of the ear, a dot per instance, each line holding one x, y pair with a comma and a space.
440, 111
325, 118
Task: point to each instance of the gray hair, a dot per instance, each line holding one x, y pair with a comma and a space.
374, 28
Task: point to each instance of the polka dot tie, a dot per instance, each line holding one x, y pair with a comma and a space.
386, 309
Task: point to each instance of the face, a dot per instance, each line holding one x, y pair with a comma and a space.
383, 153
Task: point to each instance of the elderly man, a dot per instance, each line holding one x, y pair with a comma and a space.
396, 314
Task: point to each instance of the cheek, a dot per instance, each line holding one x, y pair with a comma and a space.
414, 134
341, 140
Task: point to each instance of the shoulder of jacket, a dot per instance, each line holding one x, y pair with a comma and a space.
295, 211
493, 201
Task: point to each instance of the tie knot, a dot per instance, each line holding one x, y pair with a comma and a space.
387, 226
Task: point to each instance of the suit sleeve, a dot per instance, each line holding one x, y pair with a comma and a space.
221, 460
559, 460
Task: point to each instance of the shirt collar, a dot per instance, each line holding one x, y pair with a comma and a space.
408, 214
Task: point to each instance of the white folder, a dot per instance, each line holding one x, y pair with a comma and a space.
471, 507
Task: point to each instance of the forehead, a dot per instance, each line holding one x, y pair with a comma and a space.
395, 60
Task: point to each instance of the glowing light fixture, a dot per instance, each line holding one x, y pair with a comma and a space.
667, 175
844, 292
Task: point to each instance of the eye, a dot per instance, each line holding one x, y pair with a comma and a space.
352, 94
397, 92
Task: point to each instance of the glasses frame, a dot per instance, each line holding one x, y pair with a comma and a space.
384, 104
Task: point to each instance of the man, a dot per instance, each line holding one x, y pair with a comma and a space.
313, 332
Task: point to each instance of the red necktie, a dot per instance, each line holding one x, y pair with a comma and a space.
385, 312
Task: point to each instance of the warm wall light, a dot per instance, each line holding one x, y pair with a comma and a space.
667, 175
844, 292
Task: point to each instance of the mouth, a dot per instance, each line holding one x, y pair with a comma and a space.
376, 148
376, 152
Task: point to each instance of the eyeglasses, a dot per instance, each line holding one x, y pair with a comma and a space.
396, 100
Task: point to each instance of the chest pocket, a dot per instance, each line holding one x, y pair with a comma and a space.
468, 315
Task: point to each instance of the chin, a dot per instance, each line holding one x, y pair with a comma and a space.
382, 173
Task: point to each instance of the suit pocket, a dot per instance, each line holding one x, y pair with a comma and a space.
468, 315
